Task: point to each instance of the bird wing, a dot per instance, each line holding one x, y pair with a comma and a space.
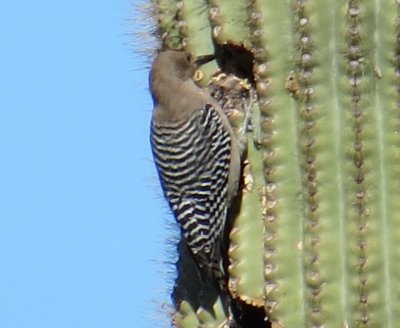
193, 158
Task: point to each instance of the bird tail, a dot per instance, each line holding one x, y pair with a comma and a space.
212, 269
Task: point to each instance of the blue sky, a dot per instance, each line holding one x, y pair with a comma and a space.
82, 220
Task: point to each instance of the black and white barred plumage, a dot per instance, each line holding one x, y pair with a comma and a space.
193, 159
196, 156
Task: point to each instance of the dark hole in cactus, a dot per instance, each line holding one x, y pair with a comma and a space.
248, 316
236, 60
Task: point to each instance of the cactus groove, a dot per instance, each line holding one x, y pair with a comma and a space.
314, 239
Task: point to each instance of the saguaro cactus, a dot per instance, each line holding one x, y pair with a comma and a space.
315, 241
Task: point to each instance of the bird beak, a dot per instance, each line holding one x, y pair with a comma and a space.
200, 60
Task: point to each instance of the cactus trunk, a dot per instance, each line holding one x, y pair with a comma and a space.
315, 241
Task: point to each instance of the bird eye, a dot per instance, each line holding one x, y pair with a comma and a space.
188, 58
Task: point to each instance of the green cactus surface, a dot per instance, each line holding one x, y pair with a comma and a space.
315, 239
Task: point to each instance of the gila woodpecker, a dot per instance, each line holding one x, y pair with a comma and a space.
196, 155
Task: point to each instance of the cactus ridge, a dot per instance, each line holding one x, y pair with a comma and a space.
356, 66
306, 64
